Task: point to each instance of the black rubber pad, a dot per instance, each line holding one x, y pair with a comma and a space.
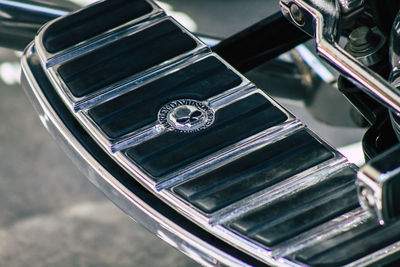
351, 245
254, 172
125, 57
173, 150
139, 107
92, 21
290, 216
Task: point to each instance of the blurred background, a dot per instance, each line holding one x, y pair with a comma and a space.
50, 215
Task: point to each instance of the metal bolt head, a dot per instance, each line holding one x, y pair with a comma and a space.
297, 14
362, 39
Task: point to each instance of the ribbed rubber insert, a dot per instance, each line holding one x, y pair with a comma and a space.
92, 21
351, 245
235, 122
254, 172
125, 57
139, 107
290, 216
137, 189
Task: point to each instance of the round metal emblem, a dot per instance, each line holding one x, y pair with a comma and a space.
186, 116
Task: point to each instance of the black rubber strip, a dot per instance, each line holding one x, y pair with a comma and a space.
254, 172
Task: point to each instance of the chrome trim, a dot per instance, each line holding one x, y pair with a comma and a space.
292, 185
370, 181
376, 256
156, 129
135, 207
203, 220
96, 42
229, 154
210, 162
376, 182
78, 103
123, 88
51, 59
261, 198
231, 96
321, 20
240, 242
163, 188
142, 135
330, 229
209, 40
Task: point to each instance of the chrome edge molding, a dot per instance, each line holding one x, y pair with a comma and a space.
135, 207
78, 103
289, 186
124, 198
51, 59
332, 228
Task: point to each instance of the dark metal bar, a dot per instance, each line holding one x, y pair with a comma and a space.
21, 19
260, 42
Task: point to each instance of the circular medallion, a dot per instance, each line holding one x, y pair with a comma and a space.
186, 116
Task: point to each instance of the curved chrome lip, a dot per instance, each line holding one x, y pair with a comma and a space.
135, 207
132, 205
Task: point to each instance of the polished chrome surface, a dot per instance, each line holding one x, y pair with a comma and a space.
230, 153
370, 190
186, 115
322, 21
157, 128
163, 189
376, 256
79, 103
290, 186
134, 206
215, 220
376, 185
50, 59
332, 228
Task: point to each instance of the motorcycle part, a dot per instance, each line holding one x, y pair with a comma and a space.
366, 45
378, 185
322, 22
186, 145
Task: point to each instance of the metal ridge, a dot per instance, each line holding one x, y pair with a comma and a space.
51, 59
78, 103
131, 204
289, 186
162, 189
